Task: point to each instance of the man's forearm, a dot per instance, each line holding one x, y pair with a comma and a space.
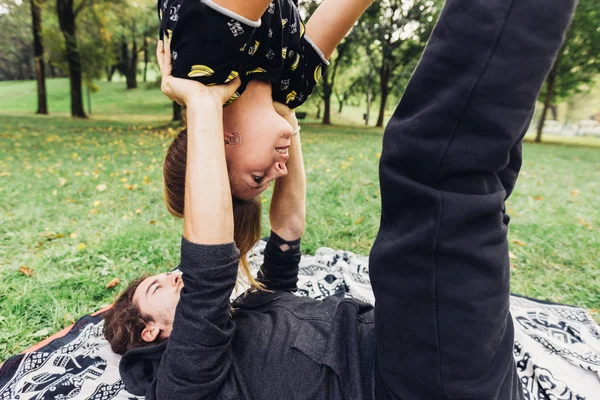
207, 218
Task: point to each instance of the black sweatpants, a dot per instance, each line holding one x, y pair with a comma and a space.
451, 155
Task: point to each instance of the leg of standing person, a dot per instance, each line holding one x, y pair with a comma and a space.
451, 154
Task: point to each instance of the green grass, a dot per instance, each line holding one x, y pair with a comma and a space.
81, 204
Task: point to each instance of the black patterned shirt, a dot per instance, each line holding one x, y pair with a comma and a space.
213, 45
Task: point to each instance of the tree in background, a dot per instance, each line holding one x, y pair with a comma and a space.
344, 55
138, 21
38, 53
578, 61
396, 32
16, 46
67, 18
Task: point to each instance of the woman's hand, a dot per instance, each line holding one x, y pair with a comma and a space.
186, 91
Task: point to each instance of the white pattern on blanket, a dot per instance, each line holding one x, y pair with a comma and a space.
557, 348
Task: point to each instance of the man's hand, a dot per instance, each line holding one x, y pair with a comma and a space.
186, 91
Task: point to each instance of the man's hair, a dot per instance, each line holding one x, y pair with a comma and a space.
246, 213
124, 322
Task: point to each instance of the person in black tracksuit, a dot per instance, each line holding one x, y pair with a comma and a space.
439, 267
451, 155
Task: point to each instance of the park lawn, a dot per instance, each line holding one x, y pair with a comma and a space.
81, 204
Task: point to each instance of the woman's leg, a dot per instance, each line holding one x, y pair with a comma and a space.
451, 154
251, 9
330, 23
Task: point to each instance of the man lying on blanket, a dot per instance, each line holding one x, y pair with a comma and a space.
439, 267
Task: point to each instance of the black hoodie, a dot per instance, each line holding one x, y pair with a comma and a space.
276, 345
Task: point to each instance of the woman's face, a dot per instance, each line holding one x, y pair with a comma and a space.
260, 156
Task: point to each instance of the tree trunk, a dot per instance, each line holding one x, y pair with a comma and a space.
110, 72
38, 53
177, 109
384, 75
129, 63
368, 113
554, 112
146, 58
547, 102
66, 17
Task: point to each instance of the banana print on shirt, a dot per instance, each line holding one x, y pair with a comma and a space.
215, 47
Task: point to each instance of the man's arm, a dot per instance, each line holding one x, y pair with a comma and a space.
197, 358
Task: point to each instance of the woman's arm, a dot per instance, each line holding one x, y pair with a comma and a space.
332, 21
288, 204
287, 214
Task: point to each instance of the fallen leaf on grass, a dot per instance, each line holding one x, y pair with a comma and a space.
575, 192
583, 222
101, 187
41, 333
138, 211
358, 221
512, 255
152, 222
593, 311
81, 246
538, 198
97, 203
62, 181
52, 235
517, 241
113, 283
26, 271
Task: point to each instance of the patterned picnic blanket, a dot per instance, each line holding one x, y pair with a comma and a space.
557, 347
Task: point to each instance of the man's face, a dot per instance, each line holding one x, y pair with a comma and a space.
157, 297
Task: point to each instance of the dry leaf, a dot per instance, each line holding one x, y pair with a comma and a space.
113, 283
138, 211
97, 203
101, 187
593, 311
575, 192
358, 221
538, 198
73, 235
26, 271
511, 255
62, 181
583, 222
152, 222
517, 241
81, 246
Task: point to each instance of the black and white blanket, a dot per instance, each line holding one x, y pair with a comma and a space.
557, 347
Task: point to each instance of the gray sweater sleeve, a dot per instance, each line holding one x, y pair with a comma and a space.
197, 358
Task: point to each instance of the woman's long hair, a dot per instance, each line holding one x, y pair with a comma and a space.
246, 214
